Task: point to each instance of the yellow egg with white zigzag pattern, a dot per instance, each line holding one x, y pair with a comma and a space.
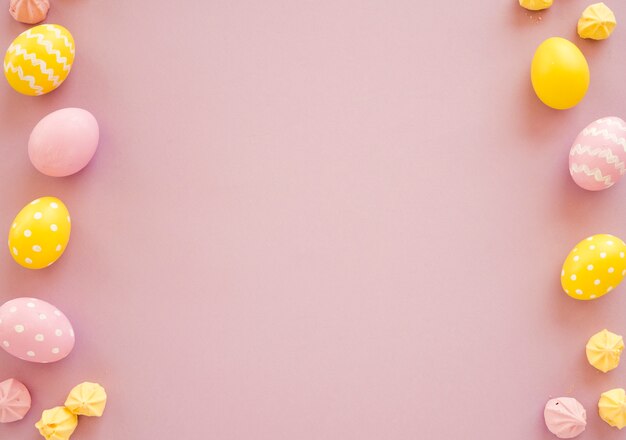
39, 59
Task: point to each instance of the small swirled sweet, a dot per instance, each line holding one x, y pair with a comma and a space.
612, 407
14, 401
597, 22
57, 423
604, 350
565, 417
87, 399
535, 5
29, 11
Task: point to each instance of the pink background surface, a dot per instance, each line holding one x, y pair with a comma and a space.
325, 219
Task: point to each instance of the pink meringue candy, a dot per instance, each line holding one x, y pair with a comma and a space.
14, 401
565, 417
29, 11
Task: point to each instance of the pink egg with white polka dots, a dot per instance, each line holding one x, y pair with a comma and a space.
35, 331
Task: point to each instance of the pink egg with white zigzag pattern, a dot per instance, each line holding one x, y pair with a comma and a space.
597, 158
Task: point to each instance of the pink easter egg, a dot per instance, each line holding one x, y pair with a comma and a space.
64, 142
35, 331
14, 401
596, 160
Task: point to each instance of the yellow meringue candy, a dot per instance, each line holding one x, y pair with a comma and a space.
57, 423
612, 407
535, 5
596, 22
87, 399
604, 350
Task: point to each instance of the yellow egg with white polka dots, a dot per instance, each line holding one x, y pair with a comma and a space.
39, 233
594, 267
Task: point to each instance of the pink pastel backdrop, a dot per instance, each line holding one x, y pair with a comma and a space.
317, 219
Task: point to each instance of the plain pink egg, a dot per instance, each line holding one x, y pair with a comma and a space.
64, 142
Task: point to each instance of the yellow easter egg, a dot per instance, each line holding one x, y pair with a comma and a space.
559, 73
39, 59
594, 267
39, 233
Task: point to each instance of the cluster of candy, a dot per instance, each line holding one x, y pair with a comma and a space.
58, 423
596, 22
596, 265
37, 62
566, 417
87, 399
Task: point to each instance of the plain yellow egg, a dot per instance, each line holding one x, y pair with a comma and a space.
559, 73
40, 233
595, 267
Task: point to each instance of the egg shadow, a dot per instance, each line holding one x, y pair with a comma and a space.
571, 202
536, 120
